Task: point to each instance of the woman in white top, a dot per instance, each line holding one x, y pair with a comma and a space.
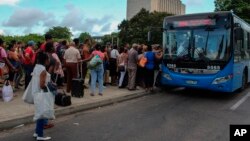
40, 79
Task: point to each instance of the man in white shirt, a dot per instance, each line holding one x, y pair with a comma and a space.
71, 57
113, 64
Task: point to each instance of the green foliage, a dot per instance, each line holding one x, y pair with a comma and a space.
60, 32
35, 37
108, 38
240, 7
84, 36
136, 29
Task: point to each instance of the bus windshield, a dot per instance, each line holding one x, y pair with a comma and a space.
202, 44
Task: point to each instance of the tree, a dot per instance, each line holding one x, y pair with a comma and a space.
84, 36
110, 37
240, 7
222, 5
136, 29
60, 32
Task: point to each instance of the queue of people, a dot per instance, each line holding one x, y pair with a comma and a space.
59, 63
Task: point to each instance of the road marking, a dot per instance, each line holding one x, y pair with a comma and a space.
241, 101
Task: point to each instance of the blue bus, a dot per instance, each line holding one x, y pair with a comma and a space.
206, 51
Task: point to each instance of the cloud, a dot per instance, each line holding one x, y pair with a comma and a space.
32, 19
80, 23
2, 32
9, 2
29, 18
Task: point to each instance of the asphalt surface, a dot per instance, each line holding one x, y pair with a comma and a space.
173, 115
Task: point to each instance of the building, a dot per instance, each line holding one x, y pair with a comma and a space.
175, 7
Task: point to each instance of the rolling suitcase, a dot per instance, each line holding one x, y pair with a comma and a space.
77, 84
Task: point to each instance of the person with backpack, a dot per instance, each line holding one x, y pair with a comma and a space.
97, 71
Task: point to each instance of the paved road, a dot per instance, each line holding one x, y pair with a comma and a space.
176, 115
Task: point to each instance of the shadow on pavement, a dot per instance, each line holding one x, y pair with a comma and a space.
202, 94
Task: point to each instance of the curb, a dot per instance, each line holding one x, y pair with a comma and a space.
14, 123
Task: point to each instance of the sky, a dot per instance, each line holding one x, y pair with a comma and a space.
98, 17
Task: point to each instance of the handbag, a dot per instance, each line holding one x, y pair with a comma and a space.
62, 99
44, 105
7, 92
4, 69
121, 68
94, 62
143, 61
28, 96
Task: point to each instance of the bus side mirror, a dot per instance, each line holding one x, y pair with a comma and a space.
149, 36
238, 33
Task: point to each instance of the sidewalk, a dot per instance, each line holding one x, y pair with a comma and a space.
17, 112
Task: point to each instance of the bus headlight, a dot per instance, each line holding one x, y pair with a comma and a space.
167, 76
222, 79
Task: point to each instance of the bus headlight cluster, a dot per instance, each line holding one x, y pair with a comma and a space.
222, 79
213, 67
172, 66
167, 76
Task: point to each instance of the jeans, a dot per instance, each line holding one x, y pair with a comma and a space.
97, 73
122, 75
39, 127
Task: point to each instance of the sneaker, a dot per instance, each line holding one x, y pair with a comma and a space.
92, 94
100, 94
43, 138
35, 135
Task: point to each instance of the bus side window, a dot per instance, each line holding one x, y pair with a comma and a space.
238, 55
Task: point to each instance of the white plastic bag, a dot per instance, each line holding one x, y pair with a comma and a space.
28, 96
7, 92
44, 105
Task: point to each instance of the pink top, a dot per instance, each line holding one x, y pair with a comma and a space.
99, 53
59, 70
3, 54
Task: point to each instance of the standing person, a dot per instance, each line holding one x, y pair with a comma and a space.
85, 55
150, 65
15, 61
4, 58
60, 50
72, 57
113, 64
141, 70
19, 51
158, 51
132, 67
42, 77
49, 49
48, 38
122, 64
97, 72
105, 64
28, 62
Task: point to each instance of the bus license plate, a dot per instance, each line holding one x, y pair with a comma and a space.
191, 82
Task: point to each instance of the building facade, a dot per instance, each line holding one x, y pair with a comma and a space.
175, 7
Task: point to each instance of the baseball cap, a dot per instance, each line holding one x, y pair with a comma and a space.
31, 43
